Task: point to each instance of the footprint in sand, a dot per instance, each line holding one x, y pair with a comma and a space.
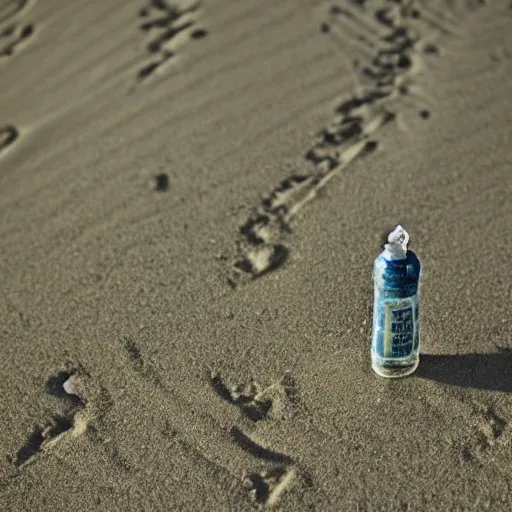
65, 385
13, 33
163, 23
258, 403
8, 136
266, 487
13, 37
255, 401
81, 410
389, 44
491, 427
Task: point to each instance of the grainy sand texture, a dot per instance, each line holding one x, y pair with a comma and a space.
192, 195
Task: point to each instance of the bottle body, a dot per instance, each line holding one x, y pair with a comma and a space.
395, 330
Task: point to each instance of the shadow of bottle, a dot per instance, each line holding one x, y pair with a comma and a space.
479, 371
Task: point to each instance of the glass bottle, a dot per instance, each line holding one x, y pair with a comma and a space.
395, 329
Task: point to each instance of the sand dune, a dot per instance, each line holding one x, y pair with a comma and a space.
191, 198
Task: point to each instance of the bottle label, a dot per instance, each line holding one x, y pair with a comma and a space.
400, 327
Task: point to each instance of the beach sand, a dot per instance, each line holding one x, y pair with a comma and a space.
191, 199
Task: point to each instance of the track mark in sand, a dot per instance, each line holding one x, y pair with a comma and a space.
99, 431
13, 38
257, 450
255, 402
162, 182
14, 34
390, 42
40, 438
82, 409
8, 136
164, 23
267, 487
10, 8
142, 365
491, 429
66, 387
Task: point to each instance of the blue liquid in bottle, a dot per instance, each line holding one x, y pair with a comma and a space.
395, 332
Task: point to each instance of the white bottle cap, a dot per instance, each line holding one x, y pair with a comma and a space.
396, 249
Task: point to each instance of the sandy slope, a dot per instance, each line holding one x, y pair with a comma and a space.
199, 384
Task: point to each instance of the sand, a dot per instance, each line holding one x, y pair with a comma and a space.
191, 200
